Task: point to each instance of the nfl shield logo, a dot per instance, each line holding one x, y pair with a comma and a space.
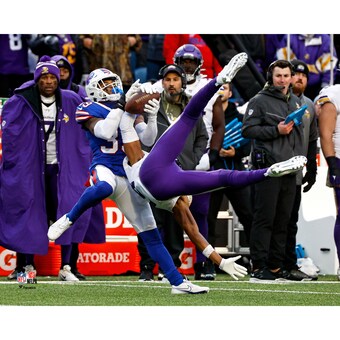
21, 278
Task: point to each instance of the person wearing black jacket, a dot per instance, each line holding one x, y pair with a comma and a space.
273, 140
231, 159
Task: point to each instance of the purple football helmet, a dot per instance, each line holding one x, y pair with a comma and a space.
189, 51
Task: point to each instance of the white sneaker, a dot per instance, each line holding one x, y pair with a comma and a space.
338, 274
187, 287
58, 228
65, 274
229, 71
289, 166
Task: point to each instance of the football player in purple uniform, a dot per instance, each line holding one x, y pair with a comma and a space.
158, 178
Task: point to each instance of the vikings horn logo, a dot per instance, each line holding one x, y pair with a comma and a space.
66, 118
44, 70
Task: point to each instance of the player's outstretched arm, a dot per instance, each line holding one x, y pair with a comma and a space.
185, 219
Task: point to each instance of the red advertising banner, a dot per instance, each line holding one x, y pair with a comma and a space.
117, 256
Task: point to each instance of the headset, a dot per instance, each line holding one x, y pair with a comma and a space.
282, 63
174, 68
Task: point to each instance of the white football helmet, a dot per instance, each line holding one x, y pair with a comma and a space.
95, 85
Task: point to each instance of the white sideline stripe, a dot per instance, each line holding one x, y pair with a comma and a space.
196, 281
156, 284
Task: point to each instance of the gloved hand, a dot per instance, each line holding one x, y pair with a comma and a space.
204, 163
148, 88
151, 108
334, 170
121, 102
134, 88
309, 178
232, 268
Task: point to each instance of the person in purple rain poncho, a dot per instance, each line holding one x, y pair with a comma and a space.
43, 170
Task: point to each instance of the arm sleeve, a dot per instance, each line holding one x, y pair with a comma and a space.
147, 133
107, 128
127, 129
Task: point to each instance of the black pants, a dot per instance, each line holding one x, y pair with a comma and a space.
273, 204
241, 200
290, 258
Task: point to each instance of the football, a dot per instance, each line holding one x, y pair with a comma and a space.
136, 104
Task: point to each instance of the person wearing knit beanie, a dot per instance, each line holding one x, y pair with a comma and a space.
46, 66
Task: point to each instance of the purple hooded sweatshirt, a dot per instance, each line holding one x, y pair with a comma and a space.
23, 218
69, 85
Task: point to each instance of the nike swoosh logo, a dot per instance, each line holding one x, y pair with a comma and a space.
188, 288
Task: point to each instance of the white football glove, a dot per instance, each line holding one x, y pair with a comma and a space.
151, 108
148, 88
134, 88
232, 268
204, 163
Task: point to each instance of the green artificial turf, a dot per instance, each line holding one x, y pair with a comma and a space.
127, 291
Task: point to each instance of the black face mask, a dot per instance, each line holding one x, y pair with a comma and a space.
64, 83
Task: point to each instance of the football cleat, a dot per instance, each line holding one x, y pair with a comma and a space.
289, 166
58, 228
229, 71
187, 287
65, 274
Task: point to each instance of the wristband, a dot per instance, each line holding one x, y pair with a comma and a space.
208, 250
221, 264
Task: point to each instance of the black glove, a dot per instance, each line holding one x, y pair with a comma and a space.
310, 178
311, 166
121, 102
213, 156
334, 170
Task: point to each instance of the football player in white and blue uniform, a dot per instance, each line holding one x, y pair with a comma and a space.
100, 118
